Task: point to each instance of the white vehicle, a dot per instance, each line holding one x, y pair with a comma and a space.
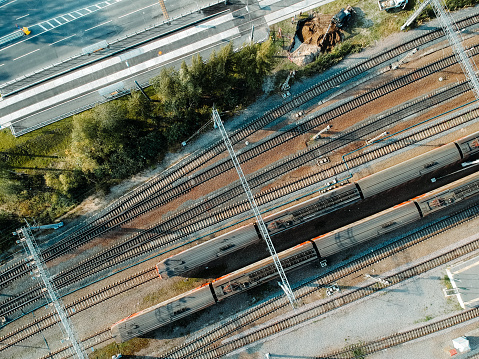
391, 4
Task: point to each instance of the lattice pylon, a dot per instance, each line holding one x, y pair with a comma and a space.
259, 219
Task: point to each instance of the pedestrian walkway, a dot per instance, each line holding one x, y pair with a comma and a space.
11, 37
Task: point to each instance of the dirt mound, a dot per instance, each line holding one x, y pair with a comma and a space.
319, 31
316, 34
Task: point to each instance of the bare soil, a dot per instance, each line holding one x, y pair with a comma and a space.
316, 34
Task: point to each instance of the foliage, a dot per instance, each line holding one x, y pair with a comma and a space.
9, 224
48, 171
446, 282
459, 4
130, 347
61, 163
358, 353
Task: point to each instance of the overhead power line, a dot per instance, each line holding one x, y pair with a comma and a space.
259, 220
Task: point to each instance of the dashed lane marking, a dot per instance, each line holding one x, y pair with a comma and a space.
21, 17
11, 2
65, 38
31, 52
103, 23
61, 20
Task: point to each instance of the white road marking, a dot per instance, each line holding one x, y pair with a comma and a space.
137, 10
132, 71
103, 23
74, 17
2, 65
87, 10
43, 27
21, 17
65, 19
48, 22
31, 52
59, 23
53, 43
11, 2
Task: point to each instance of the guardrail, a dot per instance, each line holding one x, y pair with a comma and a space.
80, 60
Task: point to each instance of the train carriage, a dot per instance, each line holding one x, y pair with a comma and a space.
262, 271
322, 246
162, 313
207, 251
409, 170
366, 229
447, 195
313, 208
468, 145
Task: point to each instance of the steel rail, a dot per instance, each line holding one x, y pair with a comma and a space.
128, 250
78, 305
162, 182
313, 311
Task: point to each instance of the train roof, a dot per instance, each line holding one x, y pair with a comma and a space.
262, 263
405, 171
178, 297
451, 186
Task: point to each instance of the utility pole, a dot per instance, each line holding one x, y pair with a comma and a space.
26, 237
163, 9
259, 220
451, 31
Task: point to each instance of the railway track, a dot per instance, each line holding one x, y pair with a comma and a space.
197, 347
214, 342
181, 226
41, 323
151, 194
403, 337
98, 338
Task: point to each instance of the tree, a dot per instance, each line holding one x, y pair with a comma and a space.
138, 106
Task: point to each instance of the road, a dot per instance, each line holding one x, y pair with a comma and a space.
61, 29
80, 89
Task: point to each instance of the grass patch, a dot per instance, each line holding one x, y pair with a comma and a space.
184, 285
177, 287
446, 282
39, 149
130, 347
425, 319
356, 350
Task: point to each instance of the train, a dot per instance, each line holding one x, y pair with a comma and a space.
314, 250
326, 202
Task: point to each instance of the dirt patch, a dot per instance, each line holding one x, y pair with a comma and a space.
319, 31
316, 34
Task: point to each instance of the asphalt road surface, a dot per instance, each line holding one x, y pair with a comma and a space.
61, 29
202, 32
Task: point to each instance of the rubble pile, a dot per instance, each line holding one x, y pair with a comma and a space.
316, 34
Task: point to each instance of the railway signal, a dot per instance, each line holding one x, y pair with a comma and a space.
259, 220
